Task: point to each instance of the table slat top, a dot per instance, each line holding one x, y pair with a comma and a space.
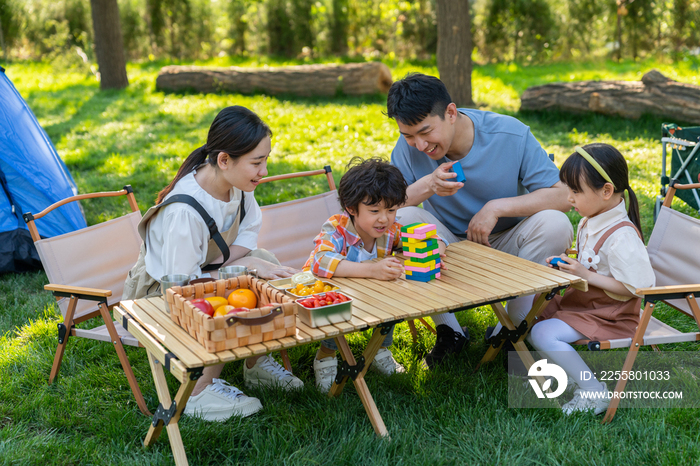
475, 274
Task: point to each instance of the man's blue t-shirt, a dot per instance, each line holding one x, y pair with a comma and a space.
505, 161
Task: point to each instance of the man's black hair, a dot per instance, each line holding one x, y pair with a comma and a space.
370, 182
415, 97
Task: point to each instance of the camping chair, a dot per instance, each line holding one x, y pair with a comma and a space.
675, 258
85, 268
684, 144
289, 228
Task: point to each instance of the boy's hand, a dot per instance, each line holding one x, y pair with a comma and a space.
442, 248
389, 268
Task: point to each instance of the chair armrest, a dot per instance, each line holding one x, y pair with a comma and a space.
654, 290
77, 290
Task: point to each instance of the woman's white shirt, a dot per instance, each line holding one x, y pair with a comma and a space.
623, 256
177, 238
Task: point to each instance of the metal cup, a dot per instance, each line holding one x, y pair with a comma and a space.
168, 281
233, 271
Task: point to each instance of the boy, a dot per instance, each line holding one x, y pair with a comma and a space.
370, 193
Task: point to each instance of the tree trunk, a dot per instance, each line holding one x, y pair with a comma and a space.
655, 94
2, 44
109, 47
339, 27
619, 33
305, 80
454, 51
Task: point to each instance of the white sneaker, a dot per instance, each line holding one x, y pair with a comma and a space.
325, 370
385, 364
219, 401
589, 403
268, 372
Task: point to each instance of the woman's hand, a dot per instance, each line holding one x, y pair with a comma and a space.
270, 271
389, 268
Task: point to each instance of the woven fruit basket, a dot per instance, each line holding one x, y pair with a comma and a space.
233, 330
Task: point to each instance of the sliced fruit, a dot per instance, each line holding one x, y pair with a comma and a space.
217, 301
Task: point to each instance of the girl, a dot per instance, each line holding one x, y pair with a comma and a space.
216, 181
611, 257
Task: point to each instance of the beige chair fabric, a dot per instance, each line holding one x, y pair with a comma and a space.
674, 251
289, 228
99, 256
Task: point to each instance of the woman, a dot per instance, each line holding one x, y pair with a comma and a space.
214, 181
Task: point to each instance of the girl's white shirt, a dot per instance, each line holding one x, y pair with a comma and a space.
623, 256
177, 237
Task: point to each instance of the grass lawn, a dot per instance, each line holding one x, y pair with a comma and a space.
139, 136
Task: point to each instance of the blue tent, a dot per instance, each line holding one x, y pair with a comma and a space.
32, 177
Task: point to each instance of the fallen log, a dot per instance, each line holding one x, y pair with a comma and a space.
655, 95
304, 80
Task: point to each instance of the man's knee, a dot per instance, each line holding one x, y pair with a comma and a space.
552, 230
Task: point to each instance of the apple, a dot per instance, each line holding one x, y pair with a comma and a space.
236, 310
203, 305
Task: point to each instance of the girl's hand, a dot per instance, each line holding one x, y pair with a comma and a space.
570, 265
389, 268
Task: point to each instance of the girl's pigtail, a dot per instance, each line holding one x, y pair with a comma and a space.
633, 211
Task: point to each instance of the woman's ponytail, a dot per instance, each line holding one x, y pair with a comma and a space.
194, 160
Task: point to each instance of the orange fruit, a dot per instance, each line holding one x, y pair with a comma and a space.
217, 301
243, 297
223, 310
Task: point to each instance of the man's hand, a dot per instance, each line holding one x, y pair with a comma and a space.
389, 268
440, 182
482, 224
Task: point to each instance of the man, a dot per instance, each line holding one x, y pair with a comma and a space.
512, 199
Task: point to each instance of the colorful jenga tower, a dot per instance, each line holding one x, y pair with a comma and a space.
419, 241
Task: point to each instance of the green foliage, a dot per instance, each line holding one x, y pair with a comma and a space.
581, 13
419, 27
639, 25
519, 29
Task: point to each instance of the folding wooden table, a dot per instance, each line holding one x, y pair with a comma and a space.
476, 276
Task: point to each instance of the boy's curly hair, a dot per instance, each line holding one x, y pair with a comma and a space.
371, 181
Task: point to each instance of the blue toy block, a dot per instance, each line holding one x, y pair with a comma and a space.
457, 168
422, 276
